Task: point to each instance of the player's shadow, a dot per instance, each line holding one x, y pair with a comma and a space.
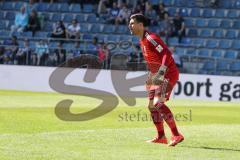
213, 148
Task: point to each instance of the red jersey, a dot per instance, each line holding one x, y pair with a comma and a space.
156, 53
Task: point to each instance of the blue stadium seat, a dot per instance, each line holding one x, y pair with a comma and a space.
10, 15
225, 4
192, 32
56, 17
121, 29
220, 13
208, 66
189, 22
135, 39
191, 52
53, 45
68, 46
87, 8
236, 24
235, 67
27, 34
167, 2
48, 27
8, 6
210, 43
236, 44
91, 18
124, 38
18, 5
4, 33
41, 34
42, 7
87, 37
207, 13
195, 12
173, 41
203, 53
53, 7
231, 34
214, 23
154, 2
180, 51
232, 14
222, 66
75, 7
218, 33
183, 12
84, 27
113, 38
2, 25
64, 7
95, 28
80, 18
237, 4
102, 37
224, 44
108, 28
226, 23
200, 22
172, 11
230, 54
217, 54
205, 33
198, 42
1, 15
68, 17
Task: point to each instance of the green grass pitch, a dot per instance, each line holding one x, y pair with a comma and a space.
29, 130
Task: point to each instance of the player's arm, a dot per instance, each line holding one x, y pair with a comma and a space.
156, 45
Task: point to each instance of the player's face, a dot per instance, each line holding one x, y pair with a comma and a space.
134, 27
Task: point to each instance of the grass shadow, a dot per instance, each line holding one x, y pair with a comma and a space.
213, 148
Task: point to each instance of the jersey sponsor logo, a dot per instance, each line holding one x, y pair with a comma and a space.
154, 43
159, 48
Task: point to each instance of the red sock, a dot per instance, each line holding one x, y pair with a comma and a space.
169, 118
158, 122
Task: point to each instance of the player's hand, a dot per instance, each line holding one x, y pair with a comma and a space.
149, 82
157, 80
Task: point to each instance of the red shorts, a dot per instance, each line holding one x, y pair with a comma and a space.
163, 90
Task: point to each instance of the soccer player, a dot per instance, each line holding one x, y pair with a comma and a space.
162, 77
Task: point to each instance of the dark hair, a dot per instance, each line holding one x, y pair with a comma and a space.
140, 18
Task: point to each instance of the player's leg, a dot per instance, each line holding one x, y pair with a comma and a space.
164, 93
157, 120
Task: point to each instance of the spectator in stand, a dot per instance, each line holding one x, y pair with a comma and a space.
77, 51
142, 4
23, 54
123, 15
59, 30
166, 27
151, 14
102, 7
21, 21
176, 58
96, 46
161, 11
137, 9
60, 52
178, 27
113, 13
33, 23
31, 6
10, 50
41, 52
103, 55
73, 30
